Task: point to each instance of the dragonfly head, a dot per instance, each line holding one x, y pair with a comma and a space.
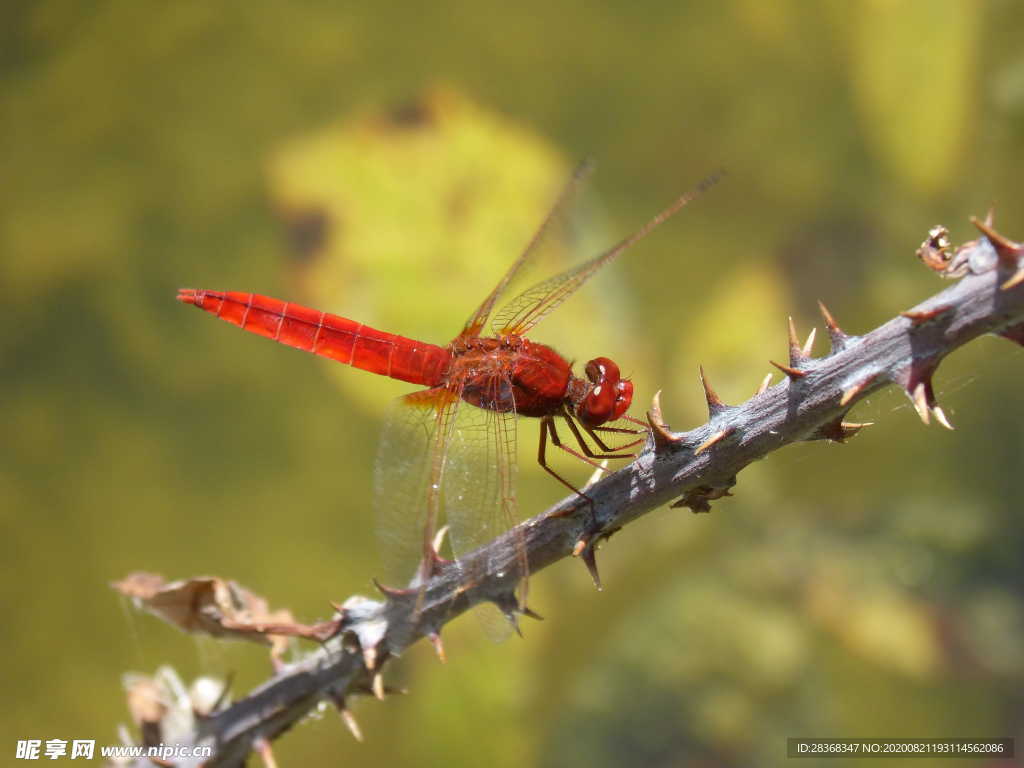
608, 396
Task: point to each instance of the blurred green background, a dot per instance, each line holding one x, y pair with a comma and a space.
387, 163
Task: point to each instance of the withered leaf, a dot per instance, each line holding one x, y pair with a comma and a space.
216, 607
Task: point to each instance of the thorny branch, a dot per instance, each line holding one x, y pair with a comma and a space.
693, 468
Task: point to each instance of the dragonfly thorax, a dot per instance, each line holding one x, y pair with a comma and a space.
510, 374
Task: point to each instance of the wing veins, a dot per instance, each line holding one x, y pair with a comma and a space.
479, 318
526, 310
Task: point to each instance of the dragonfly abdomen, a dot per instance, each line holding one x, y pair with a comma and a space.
327, 335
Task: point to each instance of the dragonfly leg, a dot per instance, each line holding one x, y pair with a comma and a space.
547, 425
619, 430
644, 426
592, 431
643, 429
605, 451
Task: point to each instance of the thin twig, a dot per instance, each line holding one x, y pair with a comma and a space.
691, 468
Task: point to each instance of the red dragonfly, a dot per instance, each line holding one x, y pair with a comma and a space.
441, 461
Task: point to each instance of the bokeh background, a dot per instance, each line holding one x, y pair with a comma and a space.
386, 162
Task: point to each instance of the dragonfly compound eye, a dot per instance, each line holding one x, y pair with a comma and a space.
623, 398
609, 398
601, 370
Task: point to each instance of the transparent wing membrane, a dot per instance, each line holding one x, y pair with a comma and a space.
442, 462
408, 479
528, 308
480, 484
481, 505
553, 235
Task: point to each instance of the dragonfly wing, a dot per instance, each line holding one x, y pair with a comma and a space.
480, 503
552, 234
408, 478
528, 308
480, 494
441, 464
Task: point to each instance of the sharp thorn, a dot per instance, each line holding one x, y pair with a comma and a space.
940, 416
391, 593
809, 344
830, 322
920, 399
990, 216
764, 385
432, 563
794, 341
510, 606
793, 373
1007, 250
439, 539
378, 686
265, 752
838, 431
659, 429
715, 404
435, 640
795, 353
350, 722
590, 560
370, 657
718, 436
1014, 281
851, 428
655, 410
835, 333
919, 317
851, 392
